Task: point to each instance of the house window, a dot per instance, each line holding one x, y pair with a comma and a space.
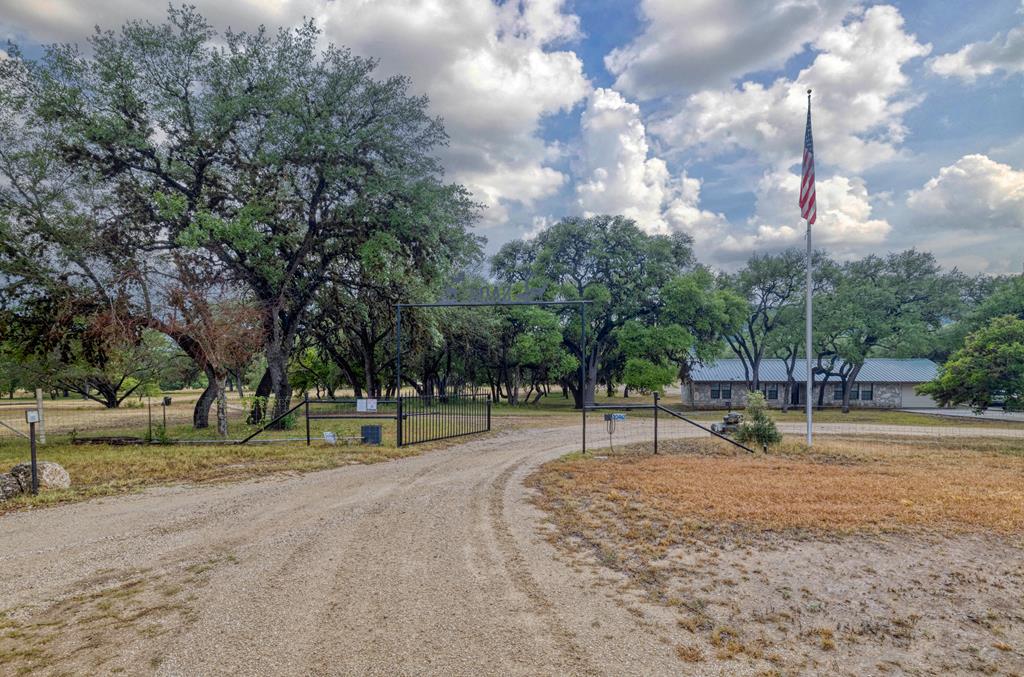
721, 391
771, 391
867, 391
837, 392
855, 392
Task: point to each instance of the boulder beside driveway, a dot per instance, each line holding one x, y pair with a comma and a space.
9, 486
51, 475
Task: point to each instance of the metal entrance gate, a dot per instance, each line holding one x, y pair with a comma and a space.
417, 419
425, 419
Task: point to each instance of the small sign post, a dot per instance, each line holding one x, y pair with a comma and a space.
32, 417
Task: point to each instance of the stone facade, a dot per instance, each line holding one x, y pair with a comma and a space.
699, 396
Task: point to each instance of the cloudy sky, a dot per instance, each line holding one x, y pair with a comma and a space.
688, 115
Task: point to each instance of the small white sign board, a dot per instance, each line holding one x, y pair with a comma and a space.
330, 438
366, 405
32, 416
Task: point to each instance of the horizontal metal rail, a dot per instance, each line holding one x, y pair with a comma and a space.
350, 400
595, 407
456, 304
318, 417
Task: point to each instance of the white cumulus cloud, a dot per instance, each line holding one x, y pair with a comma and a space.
973, 193
493, 72
698, 43
618, 175
861, 94
844, 224
1004, 52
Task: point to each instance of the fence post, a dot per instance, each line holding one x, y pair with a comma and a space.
398, 419
32, 445
309, 441
39, 408
488, 413
656, 405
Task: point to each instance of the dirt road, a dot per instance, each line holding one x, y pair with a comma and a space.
429, 565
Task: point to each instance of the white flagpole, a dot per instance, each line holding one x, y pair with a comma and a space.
810, 323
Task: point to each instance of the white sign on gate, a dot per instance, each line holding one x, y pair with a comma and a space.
366, 405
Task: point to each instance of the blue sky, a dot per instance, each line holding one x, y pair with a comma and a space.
688, 115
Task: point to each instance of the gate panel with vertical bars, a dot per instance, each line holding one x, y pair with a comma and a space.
425, 419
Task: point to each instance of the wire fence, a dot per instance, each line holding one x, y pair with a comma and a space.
643, 427
633, 426
158, 418
172, 418
13, 422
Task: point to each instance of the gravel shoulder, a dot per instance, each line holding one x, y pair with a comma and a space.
428, 565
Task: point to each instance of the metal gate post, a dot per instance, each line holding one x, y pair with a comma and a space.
398, 419
488, 413
656, 405
583, 378
309, 440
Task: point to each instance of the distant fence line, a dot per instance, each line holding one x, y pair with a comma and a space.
12, 417
410, 419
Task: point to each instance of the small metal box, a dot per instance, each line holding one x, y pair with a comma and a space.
370, 434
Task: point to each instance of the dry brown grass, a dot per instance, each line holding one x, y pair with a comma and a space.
845, 485
823, 562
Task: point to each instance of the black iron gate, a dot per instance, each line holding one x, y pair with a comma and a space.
425, 419
417, 419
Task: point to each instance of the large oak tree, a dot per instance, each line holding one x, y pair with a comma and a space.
278, 158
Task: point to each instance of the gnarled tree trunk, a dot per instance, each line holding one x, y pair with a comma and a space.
201, 413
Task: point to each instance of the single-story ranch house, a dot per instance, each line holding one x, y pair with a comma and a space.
885, 383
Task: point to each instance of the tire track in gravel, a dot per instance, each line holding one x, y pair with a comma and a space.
521, 577
425, 566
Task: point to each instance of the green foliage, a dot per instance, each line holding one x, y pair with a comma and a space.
766, 286
605, 259
989, 366
282, 162
646, 376
758, 426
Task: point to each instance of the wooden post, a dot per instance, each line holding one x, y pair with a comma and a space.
39, 408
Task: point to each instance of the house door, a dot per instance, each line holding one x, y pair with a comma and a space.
794, 396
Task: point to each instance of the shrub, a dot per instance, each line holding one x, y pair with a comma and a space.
757, 425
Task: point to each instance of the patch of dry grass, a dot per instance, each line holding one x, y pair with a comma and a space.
99, 470
844, 484
806, 561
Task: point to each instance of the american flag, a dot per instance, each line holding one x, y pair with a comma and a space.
808, 210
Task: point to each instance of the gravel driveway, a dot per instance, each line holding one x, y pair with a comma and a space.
429, 565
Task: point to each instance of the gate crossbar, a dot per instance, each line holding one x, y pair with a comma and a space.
656, 407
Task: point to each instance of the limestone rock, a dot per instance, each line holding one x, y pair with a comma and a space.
9, 486
51, 475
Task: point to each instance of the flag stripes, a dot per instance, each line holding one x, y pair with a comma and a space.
808, 207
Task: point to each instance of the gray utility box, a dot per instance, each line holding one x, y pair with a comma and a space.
370, 434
